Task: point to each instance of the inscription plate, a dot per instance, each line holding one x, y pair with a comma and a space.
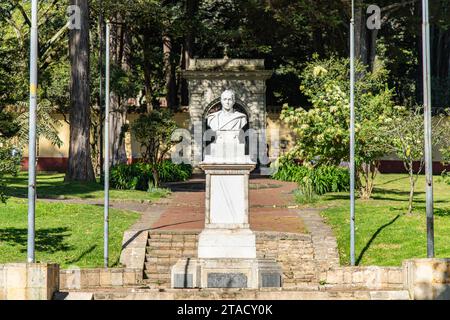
227, 280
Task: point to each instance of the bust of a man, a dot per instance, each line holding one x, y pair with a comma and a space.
227, 119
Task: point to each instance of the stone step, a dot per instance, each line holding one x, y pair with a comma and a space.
158, 276
240, 294
151, 266
161, 260
293, 251
73, 296
171, 253
170, 242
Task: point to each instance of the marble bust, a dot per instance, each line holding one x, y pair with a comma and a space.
227, 119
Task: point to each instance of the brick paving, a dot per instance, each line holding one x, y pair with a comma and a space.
271, 207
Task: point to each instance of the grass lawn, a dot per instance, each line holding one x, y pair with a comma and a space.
385, 235
68, 234
52, 186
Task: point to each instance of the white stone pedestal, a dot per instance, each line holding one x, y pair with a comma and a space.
227, 231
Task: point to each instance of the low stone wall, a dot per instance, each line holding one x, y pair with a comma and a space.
27, 281
133, 249
82, 279
372, 278
295, 254
427, 279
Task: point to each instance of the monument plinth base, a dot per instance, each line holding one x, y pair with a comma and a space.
227, 243
226, 273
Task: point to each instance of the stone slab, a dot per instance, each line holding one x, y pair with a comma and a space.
223, 243
29, 281
427, 279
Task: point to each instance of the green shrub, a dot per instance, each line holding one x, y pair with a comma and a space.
138, 175
445, 177
330, 179
321, 179
129, 177
305, 192
288, 170
171, 172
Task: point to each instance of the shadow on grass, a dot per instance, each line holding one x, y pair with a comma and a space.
185, 186
374, 236
442, 212
50, 187
84, 253
393, 180
46, 240
385, 194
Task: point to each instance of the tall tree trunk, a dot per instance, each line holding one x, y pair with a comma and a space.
365, 39
361, 50
147, 67
80, 163
169, 72
188, 49
118, 109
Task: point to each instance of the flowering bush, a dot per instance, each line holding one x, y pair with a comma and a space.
322, 128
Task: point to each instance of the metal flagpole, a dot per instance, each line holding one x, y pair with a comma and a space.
32, 132
352, 136
106, 144
427, 125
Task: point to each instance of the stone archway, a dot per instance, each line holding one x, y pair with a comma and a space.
208, 78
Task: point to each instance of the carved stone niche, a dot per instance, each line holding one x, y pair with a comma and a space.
208, 78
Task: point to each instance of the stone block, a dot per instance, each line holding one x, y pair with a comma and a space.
358, 277
372, 277
105, 278
129, 278
335, 276
183, 280
22, 281
90, 278
178, 237
395, 276
427, 279
185, 274
16, 276
347, 276
117, 278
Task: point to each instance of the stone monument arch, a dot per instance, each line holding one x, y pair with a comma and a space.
208, 78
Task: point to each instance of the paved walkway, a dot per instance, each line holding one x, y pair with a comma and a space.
272, 207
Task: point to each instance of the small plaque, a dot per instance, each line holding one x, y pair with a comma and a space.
227, 280
270, 280
183, 281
